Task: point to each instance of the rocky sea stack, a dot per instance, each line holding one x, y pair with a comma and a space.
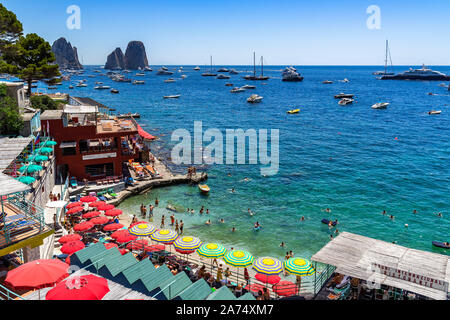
66, 55
135, 57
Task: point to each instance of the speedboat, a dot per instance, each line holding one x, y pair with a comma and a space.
169, 80
197, 68
102, 87
327, 82
432, 112
232, 71
148, 69
80, 84
204, 188
138, 82
222, 76
223, 70
344, 95
114, 91
236, 90
344, 81
418, 74
293, 111
140, 74
346, 101
290, 74
71, 87
172, 97
254, 98
247, 86
162, 72
164, 68
380, 105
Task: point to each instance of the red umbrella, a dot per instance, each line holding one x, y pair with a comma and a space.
155, 247
136, 223
123, 236
113, 227
74, 204
99, 220
113, 213
37, 274
88, 287
96, 204
74, 210
88, 199
105, 207
123, 251
72, 247
137, 245
84, 226
70, 238
254, 287
92, 214
285, 289
267, 279
110, 245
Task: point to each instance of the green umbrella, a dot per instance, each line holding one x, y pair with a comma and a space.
26, 180
45, 150
37, 158
48, 143
32, 168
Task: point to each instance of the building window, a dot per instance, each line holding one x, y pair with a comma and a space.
96, 170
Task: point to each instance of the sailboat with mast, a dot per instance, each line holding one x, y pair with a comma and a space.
388, 55
254, 76
210, 73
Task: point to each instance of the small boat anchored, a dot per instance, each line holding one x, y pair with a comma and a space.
204, 188
380, 105
293, 111
172, 97
254, 98
346, 101
433, 112
237, 90
344, 95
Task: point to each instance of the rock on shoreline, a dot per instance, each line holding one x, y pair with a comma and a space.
116, 60
66, 55
135, 57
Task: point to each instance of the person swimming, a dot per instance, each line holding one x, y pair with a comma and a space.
328, 210
282, 244
384, 212
221, 220
392, 217
250, 212
302, 218
233, 190
257, 225
233, 229
208, 222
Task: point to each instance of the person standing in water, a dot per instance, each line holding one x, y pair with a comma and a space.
181, 226
172, 219
177, 230
162, 221
156, 202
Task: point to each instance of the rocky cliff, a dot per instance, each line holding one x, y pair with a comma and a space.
135, 57
66, 55
116, 60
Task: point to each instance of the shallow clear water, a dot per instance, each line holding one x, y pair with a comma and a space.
343, 158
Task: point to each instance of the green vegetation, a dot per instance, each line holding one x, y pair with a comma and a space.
10, 28
46, 103
10, 120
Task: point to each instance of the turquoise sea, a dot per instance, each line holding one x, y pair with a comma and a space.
354, 160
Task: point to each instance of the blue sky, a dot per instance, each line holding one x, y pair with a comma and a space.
294, 32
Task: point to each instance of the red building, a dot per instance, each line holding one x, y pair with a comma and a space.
92, 145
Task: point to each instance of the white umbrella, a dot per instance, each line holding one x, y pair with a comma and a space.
56, 204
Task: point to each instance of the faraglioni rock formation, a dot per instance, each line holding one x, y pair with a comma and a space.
116, 60
135, 57
66, 55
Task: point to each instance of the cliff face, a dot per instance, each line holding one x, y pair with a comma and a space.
116, 60
135, 57
66, 55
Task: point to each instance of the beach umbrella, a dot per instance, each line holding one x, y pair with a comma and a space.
186, 244
137, 245
105, 207
113, 213
164, 236
26, 180
91, 214
88, 199
72, 247
123, 236
74, 205
32, 168
136, 223
238, 258
99, 220
155, 247
212, 250
268, 266
37, 274
96, 204
45, 150
267, 279
74, 210
110, 245
299, 266
70, 238
142, 229
285, 289
37, 158
254, 287
84, 226
87, 287
48, 143
113, 227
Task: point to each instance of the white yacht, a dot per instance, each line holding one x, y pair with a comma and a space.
254, 98
237, 90
346, 101
423, 73
290, 74
197, 68
248, 86
162, 72
380, 105
222, 76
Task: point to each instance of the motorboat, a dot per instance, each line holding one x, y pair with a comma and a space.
327, 82
385, 72
346, 101
433, 112
222, 76
254, 98
71, 87
254, 76
248, 86
237, 89
344, 81
81, 84
172, 97
164, 68
423, 73
290, 74
162, 72
140, 74
232, 71
183, 76
228, 84
102, 87
148, 69
380, 105
293, 111
114, 91
138, 82
169, 80
197, 68
344, 95
204, 188
223, 70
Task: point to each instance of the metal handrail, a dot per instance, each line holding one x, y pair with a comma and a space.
6, 294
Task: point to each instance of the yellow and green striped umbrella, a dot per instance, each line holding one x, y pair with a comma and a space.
187, 244
212, 250
268, 266
238, 258
142, 230
299, 267
164, 236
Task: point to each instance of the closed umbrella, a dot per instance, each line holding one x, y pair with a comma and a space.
87, 287
72, 247
113, 227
